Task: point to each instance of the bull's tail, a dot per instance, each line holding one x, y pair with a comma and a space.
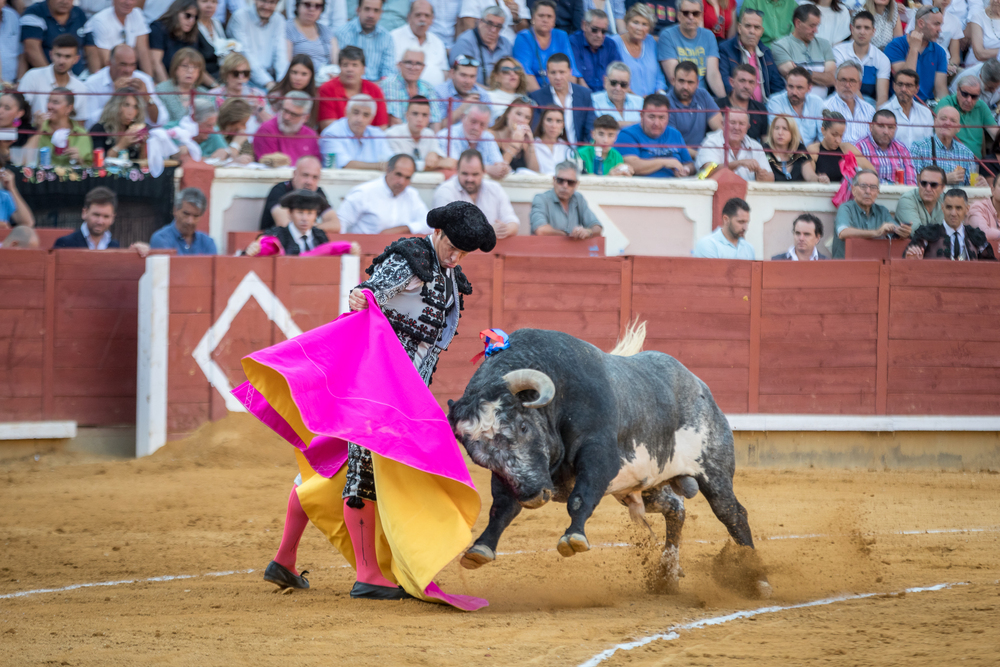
631, 342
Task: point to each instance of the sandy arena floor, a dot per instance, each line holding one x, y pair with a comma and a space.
215, 504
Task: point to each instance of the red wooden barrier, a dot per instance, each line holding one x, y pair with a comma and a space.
874, 248
46, 235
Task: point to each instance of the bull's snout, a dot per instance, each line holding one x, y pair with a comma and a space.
539, 500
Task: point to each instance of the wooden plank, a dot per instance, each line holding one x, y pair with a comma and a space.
96, 353
753, 377
190, 299
190, 271
21, 382
708, 326
827, 275
811, 380
961, 354
932, 326
563, 270
704, 353
691, 271
649, 298
97, 294
561, 297
731, 403
22, 264
882, 346
985, 275
625, 298
724, 380
943, 404
585, 325
956, 301
96, 382
312, 270
935, 380
106, 265
28, 408
17, 293
818, 354
95, 410
827, 326
17, 352
103, 323
497, 291
22, 322
820, 301
186, 417
48, 363
844, 404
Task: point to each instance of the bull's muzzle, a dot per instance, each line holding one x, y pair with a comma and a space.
539, 500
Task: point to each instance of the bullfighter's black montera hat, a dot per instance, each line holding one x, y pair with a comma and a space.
464, 225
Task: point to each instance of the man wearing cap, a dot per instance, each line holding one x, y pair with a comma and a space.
419, 285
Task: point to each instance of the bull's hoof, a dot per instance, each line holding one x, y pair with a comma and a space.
764, 591
572, 544
669, 573
477, 556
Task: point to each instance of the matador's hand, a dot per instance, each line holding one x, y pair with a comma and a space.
357, 300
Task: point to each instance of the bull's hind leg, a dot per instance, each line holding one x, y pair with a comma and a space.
671, 506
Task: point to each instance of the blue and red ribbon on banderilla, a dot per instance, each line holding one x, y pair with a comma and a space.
494, 341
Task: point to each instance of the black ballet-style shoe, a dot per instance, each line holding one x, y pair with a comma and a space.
282, 577
373, 592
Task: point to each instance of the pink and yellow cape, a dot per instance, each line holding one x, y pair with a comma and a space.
351, 380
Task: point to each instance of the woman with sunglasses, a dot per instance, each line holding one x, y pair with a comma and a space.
507, 82
212, 41
638, 50
235, 76
513, 134
551, 145
175, 30
300, 76
305, 35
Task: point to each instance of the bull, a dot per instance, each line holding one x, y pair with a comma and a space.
555, 418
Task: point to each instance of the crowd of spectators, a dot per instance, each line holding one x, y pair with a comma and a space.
775, 90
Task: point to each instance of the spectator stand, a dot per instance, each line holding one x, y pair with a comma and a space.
55, 196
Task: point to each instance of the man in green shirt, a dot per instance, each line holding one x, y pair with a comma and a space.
777, 17
922, 205
973, 112
862, 217
602, 159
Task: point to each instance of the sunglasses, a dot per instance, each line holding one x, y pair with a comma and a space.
466, 60
510, 70
971, 96
929, 184
614, 83
241, 73
598, 31
566, 181
690, 13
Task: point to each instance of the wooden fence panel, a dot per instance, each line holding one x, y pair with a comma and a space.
819, 332
698, 311
22, 334
188, 391
944, 326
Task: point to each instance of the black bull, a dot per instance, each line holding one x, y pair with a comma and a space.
554, 417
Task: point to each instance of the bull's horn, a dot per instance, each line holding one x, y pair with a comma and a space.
529, 378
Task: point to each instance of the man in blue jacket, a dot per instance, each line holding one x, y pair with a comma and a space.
575, 100
746, 49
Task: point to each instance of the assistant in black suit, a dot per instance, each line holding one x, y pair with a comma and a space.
78, 240
99, 208
559, 74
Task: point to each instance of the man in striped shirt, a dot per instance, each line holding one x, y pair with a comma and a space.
364, 32
890, 157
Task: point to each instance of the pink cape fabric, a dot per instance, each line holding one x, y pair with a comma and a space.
351, 380
269, 246
848, 167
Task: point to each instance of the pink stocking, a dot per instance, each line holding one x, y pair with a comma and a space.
361, 526
296, 521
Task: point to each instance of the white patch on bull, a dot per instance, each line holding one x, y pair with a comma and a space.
642, 471
485, 427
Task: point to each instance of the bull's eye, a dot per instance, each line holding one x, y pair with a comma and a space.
524, 427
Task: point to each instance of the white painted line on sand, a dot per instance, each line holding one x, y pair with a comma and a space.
673, 632
169, 577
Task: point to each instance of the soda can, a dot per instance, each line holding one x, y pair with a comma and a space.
901, 177
99, 157
329, 160
44, 156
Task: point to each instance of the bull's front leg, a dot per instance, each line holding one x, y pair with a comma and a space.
505, 507
596, 466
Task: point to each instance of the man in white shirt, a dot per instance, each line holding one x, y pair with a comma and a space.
515, 16
121, 72
356, 144
914, 121
414, 137
121, 22
876, 68
386, 205
468, 185
848, 102
746, 156
261, 32
38, 82
472, 133
415, 35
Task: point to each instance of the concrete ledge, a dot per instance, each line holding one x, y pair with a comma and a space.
55, 430
860, 423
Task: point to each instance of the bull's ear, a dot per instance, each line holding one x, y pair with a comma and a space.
451, 404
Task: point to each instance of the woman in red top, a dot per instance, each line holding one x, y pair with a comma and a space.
719, 18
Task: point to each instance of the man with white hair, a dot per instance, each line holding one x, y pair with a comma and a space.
406, 84
484, 43
746, 156
388, 205
562, 211
974, 115
989, 74
614, 99
513, 13
848, 102
943, 149
592, 49
471, 132
285, 138
862, 217
353, 140
414, 34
